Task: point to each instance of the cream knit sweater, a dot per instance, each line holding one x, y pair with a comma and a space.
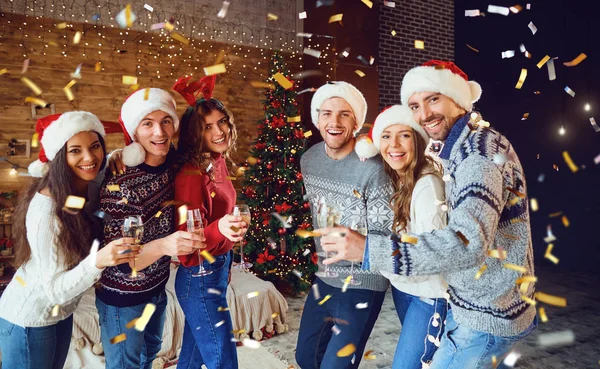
48, 282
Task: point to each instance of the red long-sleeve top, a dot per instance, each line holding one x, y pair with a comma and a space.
215, 199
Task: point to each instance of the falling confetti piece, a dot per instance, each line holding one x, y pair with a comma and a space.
158, 214
393, 33
472, 12
527, 279
307, 134
25, 66
521, 79
283, 81
21, 281
369, 355
148, 8
143, 320
315, 289
126, 17
116, 339
551, 300
548, 254
532, 27
569, 91
480, 271
207, 256
346, 283
498, 10
508, 54
219, 323
336, 330
389, 4
294, 119
258, 84
77, 37
409, 239
551, 71
463, 238
528, 300
304, 34
215, 69
542, 314
543, 61
347, 350
362, 305
525, 116
494, 361
324, 299
515, 267
371, 60
179, 37
302, 15
594, 125
74, 202
561, 338
511, 359
312, 52
214, 291
131, 324
368, 3
569, 162
534, 205
98, 67
222, 308
336, 18
130, 80
472, 48
62, 25
250, 343
3, 71
360, 73
581, 57
32, 86
305, 234
252, 294
223, 12
356, 194
272, 17
550, 237
36, 101
419, 44
516, 8
113, 188
565, 221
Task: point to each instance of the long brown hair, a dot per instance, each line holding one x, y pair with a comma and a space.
404, 183
74, 236
191, 148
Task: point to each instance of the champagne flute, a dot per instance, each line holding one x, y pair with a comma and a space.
327, 217
359, 225
133, 227
194, 225
243, 211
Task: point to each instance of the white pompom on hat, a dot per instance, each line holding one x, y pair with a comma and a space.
55, 130
443, 77
345, 91
134, 109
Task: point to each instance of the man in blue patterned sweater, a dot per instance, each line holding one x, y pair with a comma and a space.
486, 246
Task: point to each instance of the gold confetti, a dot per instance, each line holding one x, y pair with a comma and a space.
36, 101
252, 294
472, 48
581, 57
293, 151
274, 315
74, 202
294, 119
419, 44
140, 324
524, 287
534, 205
463, 238
514, 201
537, 92
3, 71
521, 79
356, 194
131, 323
116, 339
179, 37
213, 194
528, 300
283, 82
346, 283
220, 57
569, 162
551, 300
98, 67
169, 26
130, 80
252, 160
552, 258
272, 17
36, 90
206, 255
565, 221
35, 140
369, 355
347, 350
21, 281
182, 211
223, 308
409, 239
215, 69
324, 299
146, 94
62, 25
303, 233
480, 271
336, 18
55, 310
554, 215
515, 267
123, 201
258, 84
368, 3
240, 331
542, 314
307, 134
393, 33
525, 116
543, 61
231, 178
360, 73
134, 272
77, 37
527, 278
158, 214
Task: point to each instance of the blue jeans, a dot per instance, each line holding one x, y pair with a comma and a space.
35, 347
317, 345
465, 348
208, 332
140, 348
416, 317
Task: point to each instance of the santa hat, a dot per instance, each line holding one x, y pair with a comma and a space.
55, 130
443, 77
395, 114
134, 109
345, 91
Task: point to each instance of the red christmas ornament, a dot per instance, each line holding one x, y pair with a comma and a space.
314, 258
281, 182
292, 159
279, 138
299, 176
281, 231
271, 148
306, 205
289, 191
269, 166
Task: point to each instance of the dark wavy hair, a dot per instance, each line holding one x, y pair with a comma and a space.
191, 148
74, 238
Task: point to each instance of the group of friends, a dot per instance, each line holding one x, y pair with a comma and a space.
433, 183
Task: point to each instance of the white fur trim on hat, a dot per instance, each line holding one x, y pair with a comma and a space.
395, 114
347, 92
135, 108
134, 154
66, 126
444, 81
364, 147
37, 168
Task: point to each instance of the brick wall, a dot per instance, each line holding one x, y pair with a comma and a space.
431, 21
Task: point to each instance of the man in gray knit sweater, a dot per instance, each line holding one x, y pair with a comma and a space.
486, 248
338, 314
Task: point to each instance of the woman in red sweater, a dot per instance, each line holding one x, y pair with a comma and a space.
207, 136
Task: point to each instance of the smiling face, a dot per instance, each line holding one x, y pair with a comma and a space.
155, 133
216, 132
84, 155
397, 146
337, 124
435, 112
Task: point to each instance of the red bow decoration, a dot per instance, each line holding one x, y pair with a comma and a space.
446, 65
190, 91
264, 257
282, 208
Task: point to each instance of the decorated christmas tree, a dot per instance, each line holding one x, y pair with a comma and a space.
273, 189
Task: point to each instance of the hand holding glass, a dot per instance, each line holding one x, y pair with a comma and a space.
194, 225
133, 227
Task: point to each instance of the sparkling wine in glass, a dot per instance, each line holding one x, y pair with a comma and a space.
328, 216
359, 225
243, 211
194, 225
133, 227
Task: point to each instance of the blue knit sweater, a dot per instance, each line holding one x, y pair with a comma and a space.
488, 211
